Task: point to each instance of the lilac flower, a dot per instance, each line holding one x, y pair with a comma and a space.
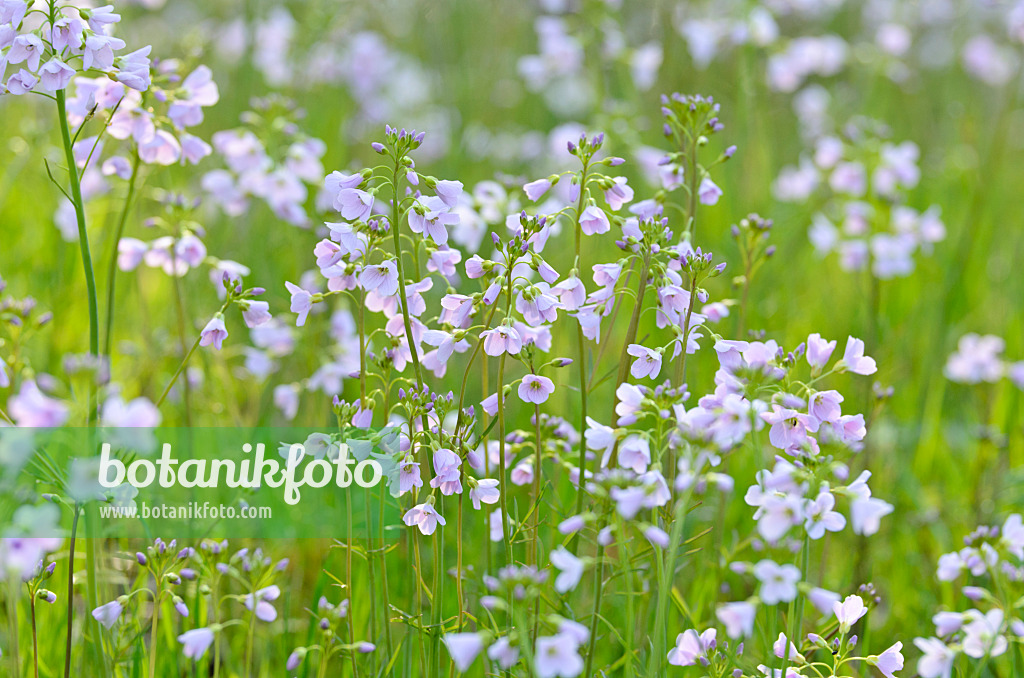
691, 648
557, 657
256, 313
779, 648
55, 75
738, 619
647, 363
778, 582
854, 359
889, 661
593, 220
214, 333
535, 389
819, 351
108, 614
570, 569
382, 278
485, 491
936, 660
99, 51
34, 409
408, 476
536, 189
354, 204
21, 83
866, 514
301, 303
133, 69
618, 194
28, 48
849, 612
635, 453
423, 516
259, 602
502, 339
821, 517
196, 642
503, 653
447, 474
463, 648
708, 192
449, 191
983, 634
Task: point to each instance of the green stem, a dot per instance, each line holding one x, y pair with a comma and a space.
153, 632
796, 608
71, 591
582, 357
112, 267
665, 586
83, 237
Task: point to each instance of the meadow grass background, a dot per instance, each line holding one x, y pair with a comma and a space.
926, 456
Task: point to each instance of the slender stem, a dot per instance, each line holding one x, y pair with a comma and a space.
112, 267
180, 305
680, 376
35, 641
71, 591
153, 631
627, 575
598, 585
178, 372
797, 608
634, 322
581, 355
537, 458
83, 236
401, 279
665, 587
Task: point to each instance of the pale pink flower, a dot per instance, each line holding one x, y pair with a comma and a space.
423, 516
535, 389
214, 333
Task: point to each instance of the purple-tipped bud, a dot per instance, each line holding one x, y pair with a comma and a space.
141, 557
257, 291
729, 152
615, 161
378, 147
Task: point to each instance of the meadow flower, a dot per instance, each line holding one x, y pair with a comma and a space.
502, 339
708, 192
34, 409
557, 657
738, 618
635, 453
647, 363
109, 613
936, 660
691, 648
485, 491
821, 517
535, 190
854, 359
259, 602
256, 313
214, 333
849, 612
618, 194
196, 642
353, 204
779, 648
463, 648
26, 48
866, 514
55, 75
133, 69
593, 220
382, 278
301, 302
570, 570
983, 634
889, 661
778, 582
535, 389
425, 517
503, 653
